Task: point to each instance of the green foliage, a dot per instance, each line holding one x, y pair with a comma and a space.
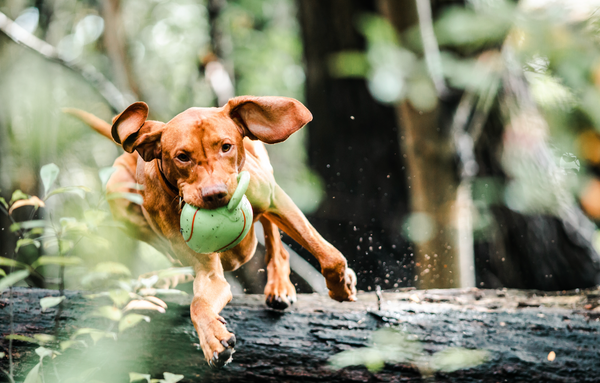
60, 236
395, 347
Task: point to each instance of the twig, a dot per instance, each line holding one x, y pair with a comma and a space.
430, 46
105, 88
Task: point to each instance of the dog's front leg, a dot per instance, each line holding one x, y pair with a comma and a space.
340, 279
211, 294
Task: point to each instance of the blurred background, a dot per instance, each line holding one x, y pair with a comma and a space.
454, 143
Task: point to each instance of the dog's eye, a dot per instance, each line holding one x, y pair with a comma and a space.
226, 147
183, 157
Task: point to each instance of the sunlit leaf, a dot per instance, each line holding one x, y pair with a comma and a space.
131, 320
73, 226
78, 190
112, 268
143, 305
108, 312
21, 338
28, 224
133, 197
105, 174
11, 262
49, 173
94, 333
456, 358
135, 376
119, 297
17, 195
94, 217
65, 245
56, 260
2, 273
2, 355
26, 242
44, 352
156, 301
44, 338
51, 302
34, 375
13, 278
172, 378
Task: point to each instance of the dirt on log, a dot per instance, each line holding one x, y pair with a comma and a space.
518, 328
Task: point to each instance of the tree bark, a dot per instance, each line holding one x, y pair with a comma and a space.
519, 329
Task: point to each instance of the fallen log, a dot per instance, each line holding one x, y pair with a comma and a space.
520, 329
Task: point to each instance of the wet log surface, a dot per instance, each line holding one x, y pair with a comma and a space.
518, 328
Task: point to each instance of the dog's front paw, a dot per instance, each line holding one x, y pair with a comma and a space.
280, 293
343, 288
220, 359
217, 343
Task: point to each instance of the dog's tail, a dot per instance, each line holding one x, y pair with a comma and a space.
98, 124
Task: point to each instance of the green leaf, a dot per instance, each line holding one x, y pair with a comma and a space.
17, 195
50, 302
94, 334
26, 242
73, 226
457, 358
105, 174
94, 217
27, 224
44, 352
48, 173
70, 343
109, 312
2, 355
21, 338
2, 273
135, 376
172, 378
13, 278
112, 268
133, 197
44, 338
56, 260
3, 202
120, 297
34, 375
11, 262
131, 320
79, 190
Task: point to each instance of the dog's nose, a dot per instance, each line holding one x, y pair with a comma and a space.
214, 193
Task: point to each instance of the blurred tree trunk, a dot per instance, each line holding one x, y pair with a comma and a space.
434, 179
115, 44
353, 145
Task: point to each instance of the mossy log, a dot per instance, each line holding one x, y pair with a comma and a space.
518, 328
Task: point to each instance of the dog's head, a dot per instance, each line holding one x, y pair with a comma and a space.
201, 149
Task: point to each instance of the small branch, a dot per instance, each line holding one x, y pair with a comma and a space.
430, 46
105, 88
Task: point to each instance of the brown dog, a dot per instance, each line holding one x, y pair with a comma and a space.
196, 157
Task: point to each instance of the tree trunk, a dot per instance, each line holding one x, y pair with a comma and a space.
520, 329
353, 146
434, 180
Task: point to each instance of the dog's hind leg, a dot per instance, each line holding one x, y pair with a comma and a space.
279, 291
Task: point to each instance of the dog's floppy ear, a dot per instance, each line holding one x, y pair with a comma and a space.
134, 132
269, 119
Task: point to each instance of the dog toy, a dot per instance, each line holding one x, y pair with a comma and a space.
216, 230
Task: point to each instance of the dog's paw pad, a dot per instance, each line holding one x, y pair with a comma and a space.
276, 302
